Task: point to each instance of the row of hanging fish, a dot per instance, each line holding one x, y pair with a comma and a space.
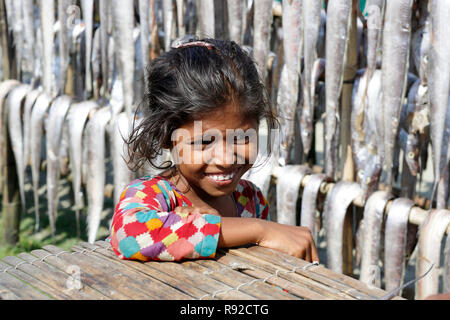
385, 239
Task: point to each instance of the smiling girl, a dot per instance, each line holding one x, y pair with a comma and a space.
204, 103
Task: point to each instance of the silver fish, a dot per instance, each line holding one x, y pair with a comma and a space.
395, 236
288, 187
54, 125
262, 21
15, 24
235, 20
76, 120
431, 232
87, 7
287, 99
14, 105
28, 105
337, 29
5, 87
168, 23
180, 17
438, 84
374, 9
96, 169
123, 17
396, 44
29, 42
371, 236
144, 11
105, 35
311, 21
443, 185
336, 205
96, 64
309, 203
122, 174
206, 21
47, 20
447, 266
36, 125
63, 7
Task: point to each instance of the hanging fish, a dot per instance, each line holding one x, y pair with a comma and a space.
336, 205
261, 35
180, 18
288, 188
28, 106
288, 92
28, 63
63, 7
337, 30
87, 8
54, 124
47, 20
395, 239
96, 169
311, 21
76, 120
14, 105
206, 22
123, 19
235, 20
36, 125
431, 232
144, 22
371, 237
308, 217
169, 20
396, 45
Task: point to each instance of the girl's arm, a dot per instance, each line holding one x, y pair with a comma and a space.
293, 240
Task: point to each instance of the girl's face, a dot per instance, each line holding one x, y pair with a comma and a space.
213, 153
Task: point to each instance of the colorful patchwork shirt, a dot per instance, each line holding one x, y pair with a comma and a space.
145, 226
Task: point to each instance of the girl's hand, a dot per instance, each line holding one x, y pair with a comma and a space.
198, 210
293, 240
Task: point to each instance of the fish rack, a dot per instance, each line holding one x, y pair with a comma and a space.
93, 272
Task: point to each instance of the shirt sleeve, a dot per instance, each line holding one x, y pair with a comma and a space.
145, 226
258, 206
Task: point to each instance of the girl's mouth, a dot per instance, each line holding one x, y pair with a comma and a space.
222, 179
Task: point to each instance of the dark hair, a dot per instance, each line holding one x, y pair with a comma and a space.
187, 82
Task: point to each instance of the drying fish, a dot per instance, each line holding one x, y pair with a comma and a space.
28, 63
447, 266
396, 44
288, 187
28, 105
47, 18
366, 128
145, 35
5, 87
336, 205
76, 120
438, 84
123, 17
288, 92
180, 18
309, 203
63, 6
337, 29
261, 35
105, 36
76, 60
443, 185
373, 219
169, 23
431, 232
87, 7
14, 104
395, 239
311, 22
206, 23
36, 125
96, 168
235, 20
54, 124
122, 174
96, 64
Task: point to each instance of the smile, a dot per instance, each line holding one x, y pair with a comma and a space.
222, 178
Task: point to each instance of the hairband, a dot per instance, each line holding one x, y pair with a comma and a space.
193, 44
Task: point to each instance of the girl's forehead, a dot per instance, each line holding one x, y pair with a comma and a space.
227, 117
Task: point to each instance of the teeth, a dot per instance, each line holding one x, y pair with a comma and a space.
221, 177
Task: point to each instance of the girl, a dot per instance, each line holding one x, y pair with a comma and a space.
204, 103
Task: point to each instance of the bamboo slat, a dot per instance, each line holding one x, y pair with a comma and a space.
252, 273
